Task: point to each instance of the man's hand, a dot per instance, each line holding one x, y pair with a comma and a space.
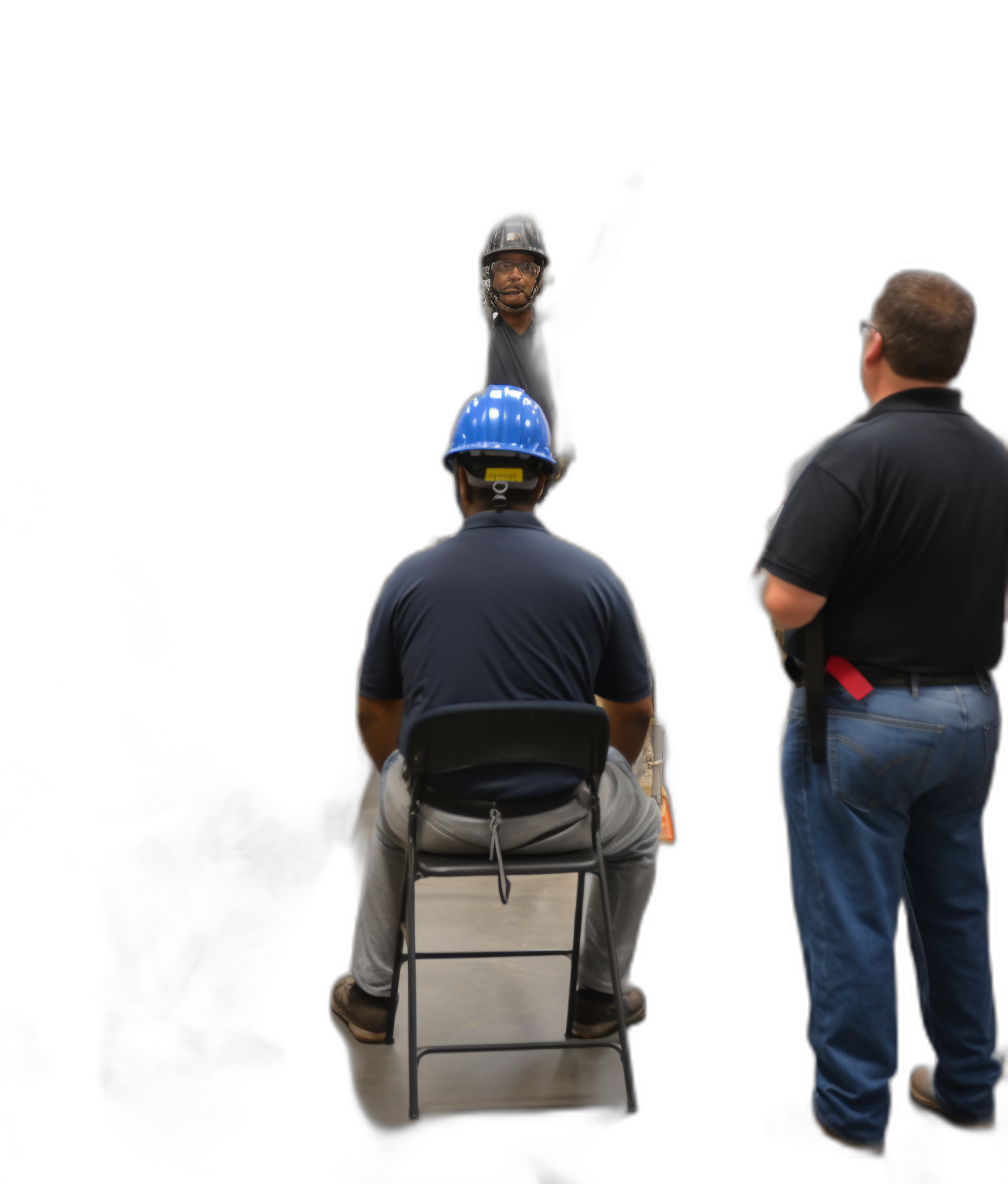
379, 721
789, 606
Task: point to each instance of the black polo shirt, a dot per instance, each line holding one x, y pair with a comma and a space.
503, 611
901, 522
518, 359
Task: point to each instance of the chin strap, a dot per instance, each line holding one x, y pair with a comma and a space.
508, 307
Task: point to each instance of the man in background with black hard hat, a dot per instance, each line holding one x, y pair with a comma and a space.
504, 611
887, 569
514, 263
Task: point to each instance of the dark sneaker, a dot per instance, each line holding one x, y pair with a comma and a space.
595, 1011
365, 1015
922, 1092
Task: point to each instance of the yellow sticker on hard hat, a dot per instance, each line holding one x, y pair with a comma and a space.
503, 475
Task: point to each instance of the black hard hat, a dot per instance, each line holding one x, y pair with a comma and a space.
515, 234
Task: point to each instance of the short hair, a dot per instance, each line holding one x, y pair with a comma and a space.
926, 321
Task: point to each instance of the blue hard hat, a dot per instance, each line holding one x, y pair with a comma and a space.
502, 419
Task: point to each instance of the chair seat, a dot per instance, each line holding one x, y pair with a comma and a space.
428, 864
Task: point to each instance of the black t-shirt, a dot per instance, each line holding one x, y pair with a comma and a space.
518, 359
901, 522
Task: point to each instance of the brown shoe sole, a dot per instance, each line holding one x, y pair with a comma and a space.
930, 1102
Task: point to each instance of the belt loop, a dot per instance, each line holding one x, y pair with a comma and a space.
914, 683
983, 680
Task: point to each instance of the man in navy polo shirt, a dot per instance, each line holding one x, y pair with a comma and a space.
503, 611
887, 570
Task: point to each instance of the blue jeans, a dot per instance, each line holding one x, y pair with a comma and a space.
895, 811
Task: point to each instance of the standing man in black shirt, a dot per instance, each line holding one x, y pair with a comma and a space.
514, 270
887, 570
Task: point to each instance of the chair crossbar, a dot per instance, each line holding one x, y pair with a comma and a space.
515, 865
495, 954
575, 1045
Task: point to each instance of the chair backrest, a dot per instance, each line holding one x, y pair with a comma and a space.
468, 736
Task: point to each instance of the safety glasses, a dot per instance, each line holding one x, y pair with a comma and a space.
502, 267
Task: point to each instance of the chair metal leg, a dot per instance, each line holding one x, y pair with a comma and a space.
414, 1102
397, 961
575, 953
617, 983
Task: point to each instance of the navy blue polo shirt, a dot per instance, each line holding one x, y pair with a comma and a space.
502, 611
901, 522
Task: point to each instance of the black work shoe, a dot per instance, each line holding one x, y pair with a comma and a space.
922, 1092
365, 1015
595, 1011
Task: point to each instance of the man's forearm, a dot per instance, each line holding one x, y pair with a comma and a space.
379, 739
627, 735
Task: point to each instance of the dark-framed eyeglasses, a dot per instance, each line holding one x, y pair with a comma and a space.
871, 329
525, 266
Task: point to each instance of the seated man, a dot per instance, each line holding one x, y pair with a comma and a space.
504, 611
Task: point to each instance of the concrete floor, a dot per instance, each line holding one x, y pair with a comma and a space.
484, 1000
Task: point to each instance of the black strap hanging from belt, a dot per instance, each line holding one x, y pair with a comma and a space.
815, 699
503, 884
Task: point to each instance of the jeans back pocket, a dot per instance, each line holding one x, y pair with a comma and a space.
878, 761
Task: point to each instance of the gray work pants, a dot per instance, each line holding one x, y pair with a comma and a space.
630, 825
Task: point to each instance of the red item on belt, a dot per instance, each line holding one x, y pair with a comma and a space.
848, 676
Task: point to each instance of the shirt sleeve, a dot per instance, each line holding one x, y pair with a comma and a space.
623, 673
815, 533
381, 674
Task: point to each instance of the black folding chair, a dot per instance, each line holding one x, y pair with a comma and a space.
453, 738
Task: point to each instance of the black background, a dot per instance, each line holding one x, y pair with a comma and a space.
262, 375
